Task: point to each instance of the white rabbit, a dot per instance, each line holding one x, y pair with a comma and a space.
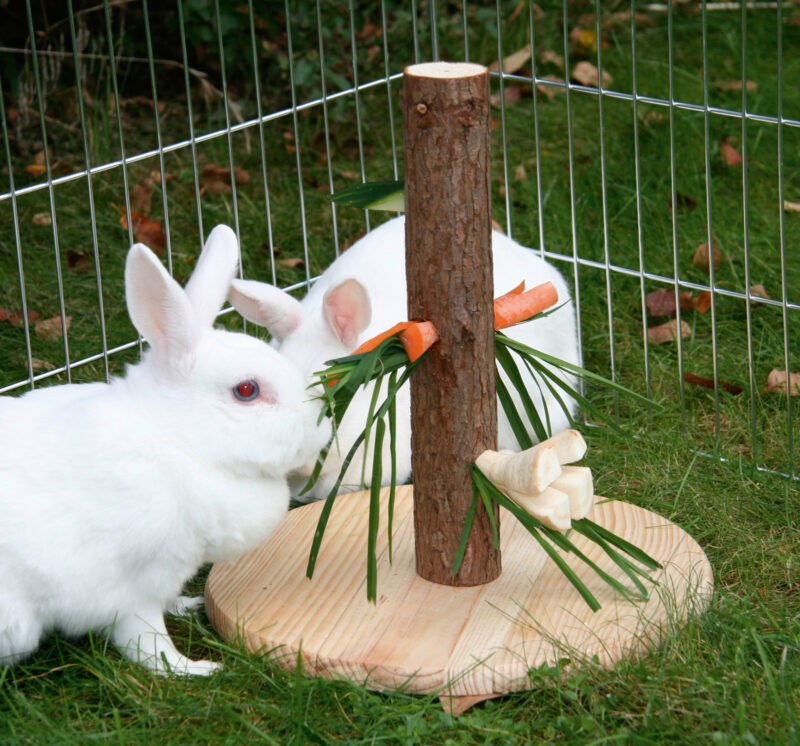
113, 495
363, 293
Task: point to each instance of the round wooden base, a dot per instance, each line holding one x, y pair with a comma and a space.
466, 644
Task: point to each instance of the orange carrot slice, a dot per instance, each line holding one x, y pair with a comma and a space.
373, 342
417, 339
516, 291
513, 307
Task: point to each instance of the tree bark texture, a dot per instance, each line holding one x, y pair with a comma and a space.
450, 282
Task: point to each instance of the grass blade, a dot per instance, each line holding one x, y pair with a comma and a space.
517, 426
468, 521
374, 513
393, 462
373, 195
630, 549
507, 364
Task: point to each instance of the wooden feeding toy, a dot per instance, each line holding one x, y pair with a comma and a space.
513, 604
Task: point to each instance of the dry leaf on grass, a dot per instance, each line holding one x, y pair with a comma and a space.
291, 262
513, 62
142, 198
42, 218
708, 383
668, 332
38, 364
51, 329
583, 39
791, 206
150, 232
703, 302
758, 291
777, 381
549, 56
586, 74
701, 259
661, 303
684, 202
78, 261
511, 94
550, 90
520, 174
15, 317
729, 154
736, 85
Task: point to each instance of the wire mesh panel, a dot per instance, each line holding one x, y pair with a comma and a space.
648, 150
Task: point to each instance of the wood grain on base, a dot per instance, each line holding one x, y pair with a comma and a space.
472, 641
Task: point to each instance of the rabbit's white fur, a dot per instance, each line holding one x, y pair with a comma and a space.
363, 293
113, 495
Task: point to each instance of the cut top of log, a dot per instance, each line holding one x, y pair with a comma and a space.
445, 70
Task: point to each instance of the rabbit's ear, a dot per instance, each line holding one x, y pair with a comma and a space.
347, 311
266, 306
158, 306
216, 267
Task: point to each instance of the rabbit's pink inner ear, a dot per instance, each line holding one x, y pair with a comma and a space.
347, 311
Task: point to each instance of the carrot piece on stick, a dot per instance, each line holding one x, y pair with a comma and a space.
417, 339
373, 342
512, 308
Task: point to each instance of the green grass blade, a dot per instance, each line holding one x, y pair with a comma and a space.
535, 529
506, 362
373, 195
630, 549
582, 372
468, 521
374, 513
393, 461
517, 426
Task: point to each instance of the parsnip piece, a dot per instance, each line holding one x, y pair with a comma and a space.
570, 446
550, 506
577, 482
526, 472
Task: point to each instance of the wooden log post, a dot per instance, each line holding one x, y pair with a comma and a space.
450, 281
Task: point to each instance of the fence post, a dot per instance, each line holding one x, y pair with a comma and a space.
450, 282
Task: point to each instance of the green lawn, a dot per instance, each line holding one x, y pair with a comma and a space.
602, 192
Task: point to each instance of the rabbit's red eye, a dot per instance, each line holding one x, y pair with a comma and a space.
246, 390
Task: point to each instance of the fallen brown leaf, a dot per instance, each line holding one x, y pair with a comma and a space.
685, 202
586, 74
583, 38
687, 299
729, 154
291, 262
548, 56
703, 302
550, 90
78, 261
142, 197
777, 381
708, 383
791, 206
52, 329
15, 317
511, 94
38, 364
42, 218
147, 230
661, 303
668, 332
736, 85
35, 169
701, 257
514, 62
520, 174
758, 291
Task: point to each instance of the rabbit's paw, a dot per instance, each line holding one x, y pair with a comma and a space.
185, 605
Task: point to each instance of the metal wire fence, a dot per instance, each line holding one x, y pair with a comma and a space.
616, 177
